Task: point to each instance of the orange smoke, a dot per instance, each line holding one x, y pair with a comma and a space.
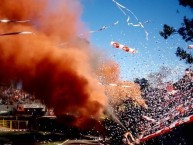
61, 77
109, 74
123, 91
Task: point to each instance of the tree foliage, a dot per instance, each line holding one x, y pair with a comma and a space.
186, 31
186, 3
142, 82
184, 55
167, 31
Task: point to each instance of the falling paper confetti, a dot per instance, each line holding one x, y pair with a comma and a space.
17, 33
13, 21
139, 24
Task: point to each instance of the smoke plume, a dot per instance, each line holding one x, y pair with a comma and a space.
158, 79
62, 78
109, 73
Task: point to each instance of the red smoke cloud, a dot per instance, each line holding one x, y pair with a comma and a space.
109, 72
61, 77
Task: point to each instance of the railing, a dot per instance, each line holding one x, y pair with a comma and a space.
14, 124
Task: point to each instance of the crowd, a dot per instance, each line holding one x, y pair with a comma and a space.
17, 99
10, 96
165, 106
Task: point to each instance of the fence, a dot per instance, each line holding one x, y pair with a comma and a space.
14, 124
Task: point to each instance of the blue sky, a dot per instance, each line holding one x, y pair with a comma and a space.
154, 52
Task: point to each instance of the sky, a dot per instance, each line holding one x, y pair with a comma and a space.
152, 53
